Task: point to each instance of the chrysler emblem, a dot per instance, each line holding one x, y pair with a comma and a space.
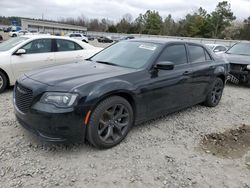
21, 91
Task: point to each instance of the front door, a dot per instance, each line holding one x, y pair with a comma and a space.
38, 55
169, 90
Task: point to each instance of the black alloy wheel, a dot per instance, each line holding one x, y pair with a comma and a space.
215, 93
113, 123
110, 122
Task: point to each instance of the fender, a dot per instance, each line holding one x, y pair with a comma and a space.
109, 87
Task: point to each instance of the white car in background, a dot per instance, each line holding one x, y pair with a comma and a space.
26, 53
78, 36
217, 48
19, 33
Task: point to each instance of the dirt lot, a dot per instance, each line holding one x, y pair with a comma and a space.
167, 152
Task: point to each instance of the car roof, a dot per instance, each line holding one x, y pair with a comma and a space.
41, 36
44, 36
164, 41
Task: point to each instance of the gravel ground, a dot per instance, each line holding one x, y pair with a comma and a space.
160, 153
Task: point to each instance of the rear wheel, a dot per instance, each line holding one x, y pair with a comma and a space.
110, 122
215, 93
3, 82
14, 35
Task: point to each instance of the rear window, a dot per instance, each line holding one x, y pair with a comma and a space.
197, 54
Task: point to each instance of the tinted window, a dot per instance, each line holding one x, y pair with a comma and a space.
66, 45
175, 53
197, 54
38, 46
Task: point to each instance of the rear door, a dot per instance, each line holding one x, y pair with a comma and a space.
68, 51
39, 54
202, 71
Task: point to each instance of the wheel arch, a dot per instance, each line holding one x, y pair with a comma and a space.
124, 94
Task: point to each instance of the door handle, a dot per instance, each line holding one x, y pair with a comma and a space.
187, 72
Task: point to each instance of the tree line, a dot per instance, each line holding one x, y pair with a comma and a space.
220, 23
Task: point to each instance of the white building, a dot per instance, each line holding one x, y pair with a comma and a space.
51, 27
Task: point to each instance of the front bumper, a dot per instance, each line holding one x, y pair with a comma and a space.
47, 121
53, 127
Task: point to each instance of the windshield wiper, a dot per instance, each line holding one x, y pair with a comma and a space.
107, 63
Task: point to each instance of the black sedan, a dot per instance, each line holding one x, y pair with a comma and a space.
127, 83
104, 39
239, 58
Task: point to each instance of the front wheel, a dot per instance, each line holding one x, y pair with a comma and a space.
3, 82
215, 93
110, 122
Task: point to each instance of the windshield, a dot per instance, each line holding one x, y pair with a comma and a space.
129, 54
240, 49
7, 45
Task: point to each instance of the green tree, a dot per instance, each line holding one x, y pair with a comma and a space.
244, 33
221, 18
153, 23
169, 26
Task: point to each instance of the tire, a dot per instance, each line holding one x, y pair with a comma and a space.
14, 35
110, 122
215, 93
3, 82
84, 41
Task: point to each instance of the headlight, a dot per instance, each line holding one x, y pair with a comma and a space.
248, 67
59, 99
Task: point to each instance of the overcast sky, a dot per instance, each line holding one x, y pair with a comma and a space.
112, 9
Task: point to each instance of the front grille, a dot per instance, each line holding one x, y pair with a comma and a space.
23, 98
235, 67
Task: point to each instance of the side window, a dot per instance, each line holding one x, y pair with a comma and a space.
66, 45
175, 53
78, 47
38, 46
72, 35
197, 54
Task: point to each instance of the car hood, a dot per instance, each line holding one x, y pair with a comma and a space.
236, 59
76, 74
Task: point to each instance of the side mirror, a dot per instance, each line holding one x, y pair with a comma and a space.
165, 65
20, 52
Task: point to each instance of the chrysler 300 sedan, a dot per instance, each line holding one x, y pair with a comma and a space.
125, 84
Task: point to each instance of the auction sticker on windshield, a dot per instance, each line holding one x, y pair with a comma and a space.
148, 47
